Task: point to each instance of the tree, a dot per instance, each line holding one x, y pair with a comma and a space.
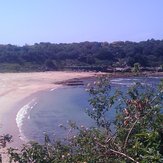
161, 67
49, 64
136, 68
147, 53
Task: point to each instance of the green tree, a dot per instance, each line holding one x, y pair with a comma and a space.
161, 67
136, 68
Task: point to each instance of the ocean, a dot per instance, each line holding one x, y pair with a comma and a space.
48, 110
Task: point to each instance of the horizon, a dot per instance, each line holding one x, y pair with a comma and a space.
31, 22
83, 42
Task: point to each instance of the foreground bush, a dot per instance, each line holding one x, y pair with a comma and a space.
134, 134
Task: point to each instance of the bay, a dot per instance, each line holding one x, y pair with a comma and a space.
50, 109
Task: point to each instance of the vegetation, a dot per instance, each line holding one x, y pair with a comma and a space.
135, 134
136, 68
4, 139
88, 55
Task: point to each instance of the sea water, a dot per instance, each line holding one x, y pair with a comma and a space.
53, 108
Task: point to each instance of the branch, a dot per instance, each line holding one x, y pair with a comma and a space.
117, 152
125, 144
124, 155
68, 134
158, 95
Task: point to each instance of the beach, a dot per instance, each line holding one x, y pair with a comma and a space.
16, 87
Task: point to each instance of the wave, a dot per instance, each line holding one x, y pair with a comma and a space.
22, 114
128, 82
156, 77
124, 79
52, 89
123, 84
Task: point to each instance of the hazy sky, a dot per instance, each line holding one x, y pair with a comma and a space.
56, 21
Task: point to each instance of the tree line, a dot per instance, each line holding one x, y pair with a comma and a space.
49, 56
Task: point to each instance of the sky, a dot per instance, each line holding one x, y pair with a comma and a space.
65, 21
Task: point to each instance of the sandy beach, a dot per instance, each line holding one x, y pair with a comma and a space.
15, 87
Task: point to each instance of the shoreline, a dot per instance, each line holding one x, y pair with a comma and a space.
130, 74
18, 88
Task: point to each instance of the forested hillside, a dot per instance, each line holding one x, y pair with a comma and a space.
48, 56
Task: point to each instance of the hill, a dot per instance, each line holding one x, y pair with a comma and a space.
84, 55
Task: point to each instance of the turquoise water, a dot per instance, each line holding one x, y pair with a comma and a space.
49, 109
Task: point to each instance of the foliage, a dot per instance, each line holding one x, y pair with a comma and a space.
50, 65
161, 67
136, 68
93, 54
135, 134
4, 139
